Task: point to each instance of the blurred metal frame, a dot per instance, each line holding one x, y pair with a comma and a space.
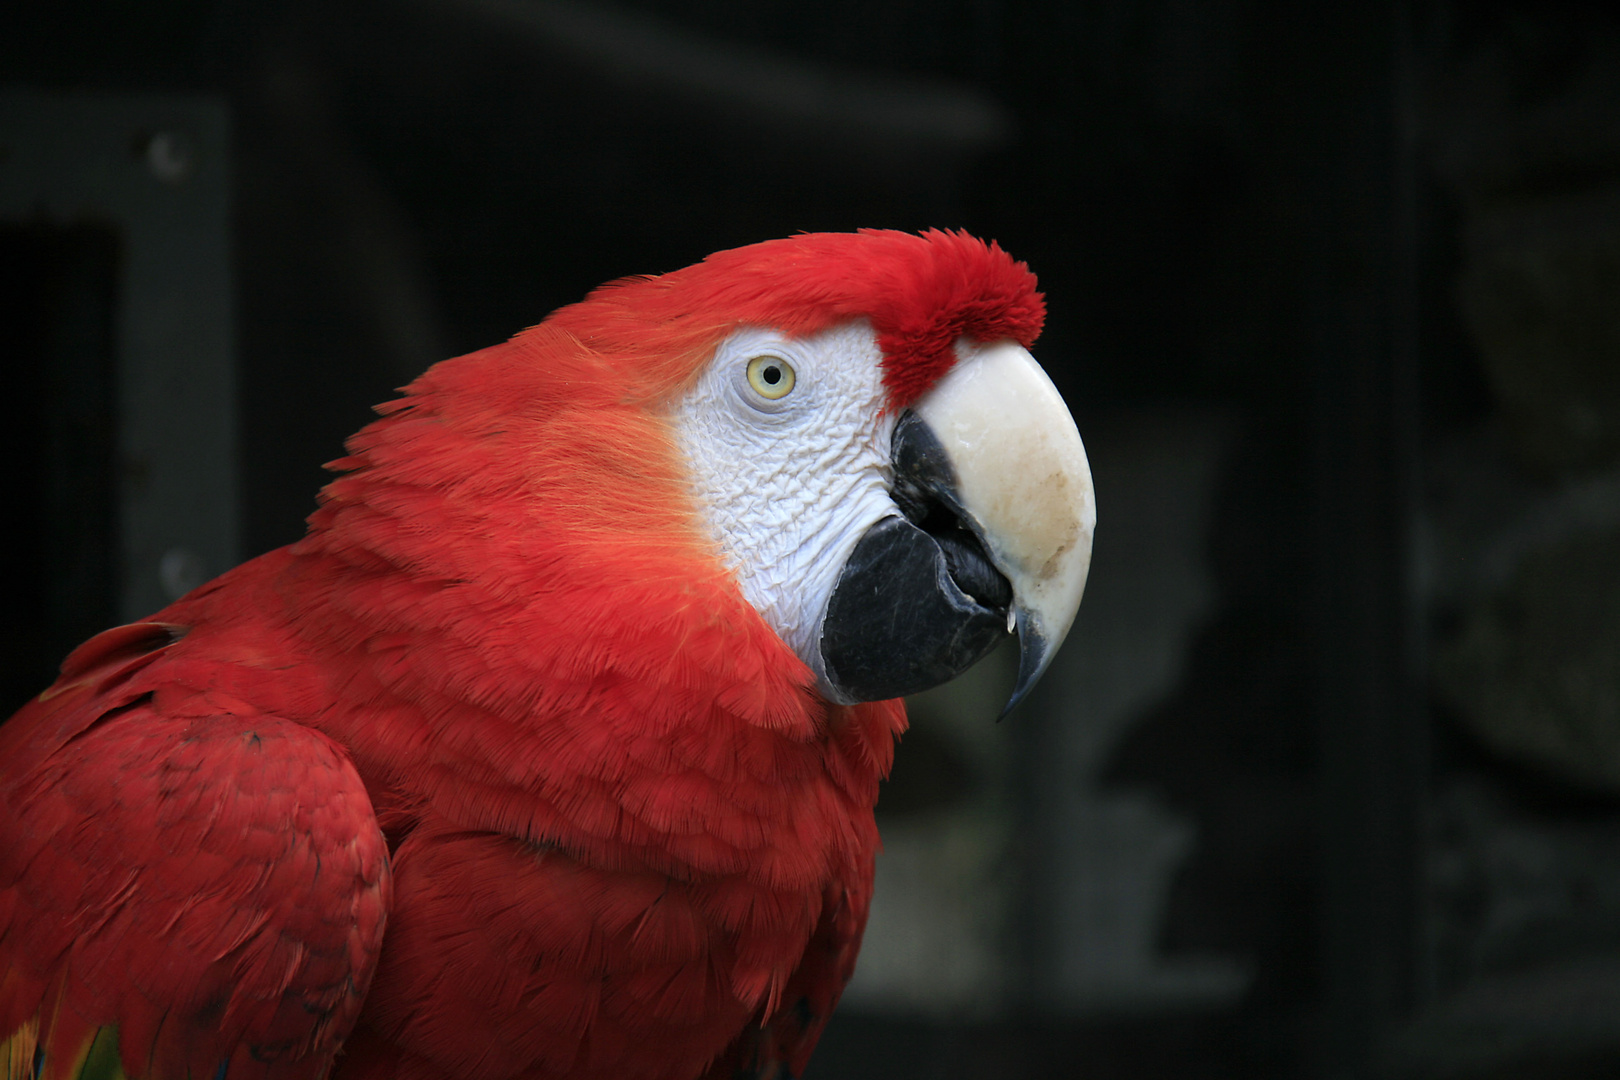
155, 170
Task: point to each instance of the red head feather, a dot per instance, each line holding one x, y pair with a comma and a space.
921, 293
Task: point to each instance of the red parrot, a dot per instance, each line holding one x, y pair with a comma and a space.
551, 750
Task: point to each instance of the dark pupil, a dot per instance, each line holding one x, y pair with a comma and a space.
772, 375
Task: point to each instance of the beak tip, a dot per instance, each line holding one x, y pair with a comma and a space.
1033, 657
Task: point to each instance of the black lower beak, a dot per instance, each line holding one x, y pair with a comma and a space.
918, 601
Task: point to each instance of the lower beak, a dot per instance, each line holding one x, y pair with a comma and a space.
993, 536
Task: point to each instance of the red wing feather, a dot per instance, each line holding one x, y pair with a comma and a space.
210, 889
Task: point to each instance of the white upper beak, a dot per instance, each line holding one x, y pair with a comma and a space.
1023, 483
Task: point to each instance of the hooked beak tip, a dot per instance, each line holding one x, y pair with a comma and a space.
1034, 655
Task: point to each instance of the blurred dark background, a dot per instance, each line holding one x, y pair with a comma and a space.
1326, 782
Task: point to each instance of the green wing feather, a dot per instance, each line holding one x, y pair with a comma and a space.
97, 1059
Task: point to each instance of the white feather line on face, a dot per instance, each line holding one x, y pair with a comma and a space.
788, 487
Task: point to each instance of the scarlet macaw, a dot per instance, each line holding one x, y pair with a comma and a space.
551, 750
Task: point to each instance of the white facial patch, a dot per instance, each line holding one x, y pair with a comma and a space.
788, 483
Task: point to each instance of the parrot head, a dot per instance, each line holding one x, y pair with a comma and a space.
893, 480
850, 423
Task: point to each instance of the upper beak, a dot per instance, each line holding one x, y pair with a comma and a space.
993, 483
1024, 487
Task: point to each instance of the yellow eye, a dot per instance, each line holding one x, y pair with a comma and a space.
771, 377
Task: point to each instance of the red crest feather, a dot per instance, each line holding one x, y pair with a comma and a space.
920, 292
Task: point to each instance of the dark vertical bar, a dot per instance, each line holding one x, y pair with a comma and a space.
57, 298
1363, 334
22, 599
80, 441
